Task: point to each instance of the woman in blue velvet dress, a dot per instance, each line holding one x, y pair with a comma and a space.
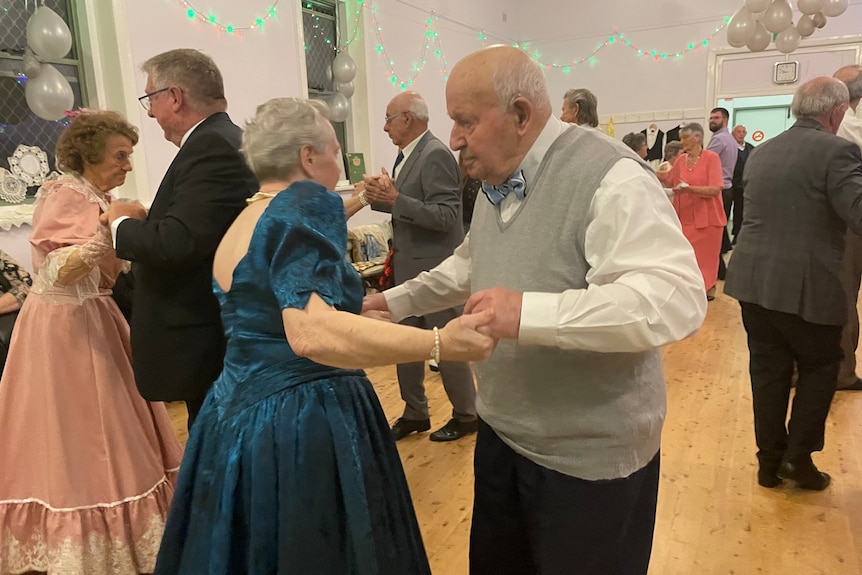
291, 467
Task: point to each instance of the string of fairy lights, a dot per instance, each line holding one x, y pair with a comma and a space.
432, 44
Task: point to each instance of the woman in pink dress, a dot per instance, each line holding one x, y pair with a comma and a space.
87, 466
696, 181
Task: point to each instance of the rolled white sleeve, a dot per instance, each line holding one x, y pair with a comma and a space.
445, 286
644, 287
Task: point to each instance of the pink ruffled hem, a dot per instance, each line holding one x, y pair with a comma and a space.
119, 538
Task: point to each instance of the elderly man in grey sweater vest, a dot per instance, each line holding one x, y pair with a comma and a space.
584, 263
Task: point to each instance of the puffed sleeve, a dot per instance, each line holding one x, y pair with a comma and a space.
305, 242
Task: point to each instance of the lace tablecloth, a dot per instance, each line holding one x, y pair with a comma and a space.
15, 215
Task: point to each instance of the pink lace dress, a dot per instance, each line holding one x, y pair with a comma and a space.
87, 466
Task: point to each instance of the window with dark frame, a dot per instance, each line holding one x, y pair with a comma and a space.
19, 125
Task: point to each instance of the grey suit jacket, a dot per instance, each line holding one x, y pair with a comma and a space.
426, 217
802, 189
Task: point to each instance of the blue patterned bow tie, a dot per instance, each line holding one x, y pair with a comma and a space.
515, 184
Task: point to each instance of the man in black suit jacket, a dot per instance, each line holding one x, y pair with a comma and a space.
177, 337
424, 200
738, 200
802, 189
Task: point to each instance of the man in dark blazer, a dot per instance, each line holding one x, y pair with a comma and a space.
738, 199
177, 337
803, 189
423, 196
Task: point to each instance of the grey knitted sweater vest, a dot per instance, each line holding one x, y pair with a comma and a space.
585, 414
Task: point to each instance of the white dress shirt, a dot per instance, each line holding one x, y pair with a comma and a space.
407, 150
645, 289
115, 224
851, 127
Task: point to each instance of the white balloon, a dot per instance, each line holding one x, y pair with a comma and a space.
343, 68
49, 95
787, 40
30, 65
810, 7
47, 34
347, 88
740, 28
755, 6
760, 39
758, 15
339, 107
806, 26
778, 17
819, 20
833, 8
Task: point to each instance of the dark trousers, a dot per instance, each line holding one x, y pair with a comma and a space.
727, 200
775, 341
530, 520
738, 208
193, 406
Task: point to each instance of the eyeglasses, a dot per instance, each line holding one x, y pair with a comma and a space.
145, 100
393, 116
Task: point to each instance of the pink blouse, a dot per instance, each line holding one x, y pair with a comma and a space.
694, 210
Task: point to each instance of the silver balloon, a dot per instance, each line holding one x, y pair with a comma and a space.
49, 95
787, 40
339, 107
810, 7
819, 20
740, 28
343, 68
47, 34
30, 65
806, 26
347, 88
755, 6
760, 39
778, 17
833, 8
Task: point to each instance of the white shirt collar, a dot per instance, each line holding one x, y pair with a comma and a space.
407, 150
189, 133
552, 130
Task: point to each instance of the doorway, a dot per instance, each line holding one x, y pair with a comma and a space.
764, 117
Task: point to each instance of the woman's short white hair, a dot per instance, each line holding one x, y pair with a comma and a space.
280, 128
692, 128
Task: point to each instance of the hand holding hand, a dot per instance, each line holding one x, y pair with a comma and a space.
378, 315
374, 302
506, 304
462, 339
134, 210
381, 189
358, 188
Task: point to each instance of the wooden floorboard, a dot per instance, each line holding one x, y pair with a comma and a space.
713, 518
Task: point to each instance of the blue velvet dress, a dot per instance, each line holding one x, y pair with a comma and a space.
290, 467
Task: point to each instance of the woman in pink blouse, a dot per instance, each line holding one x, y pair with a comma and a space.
696, 181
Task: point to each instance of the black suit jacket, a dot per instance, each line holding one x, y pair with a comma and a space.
802, 189
177, 337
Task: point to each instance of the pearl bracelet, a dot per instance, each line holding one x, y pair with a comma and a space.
435, 351
362, 199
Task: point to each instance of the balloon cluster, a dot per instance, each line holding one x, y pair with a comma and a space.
759, 22
48, 93
343, 72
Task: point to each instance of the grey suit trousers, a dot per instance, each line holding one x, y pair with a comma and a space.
456, 375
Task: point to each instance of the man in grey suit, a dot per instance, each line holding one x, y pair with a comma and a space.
803, 189
422, 194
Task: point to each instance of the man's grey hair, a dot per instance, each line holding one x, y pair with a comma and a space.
692, 128
272, 140
854, 86
818, 97
588, 105
523, 78
194, 73
418, 107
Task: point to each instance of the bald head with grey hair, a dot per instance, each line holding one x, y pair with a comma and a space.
281, 127
852, 78
822, 99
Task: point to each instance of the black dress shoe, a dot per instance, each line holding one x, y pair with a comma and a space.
805, 475
455, 429
855, 386
768, 477
404, 427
